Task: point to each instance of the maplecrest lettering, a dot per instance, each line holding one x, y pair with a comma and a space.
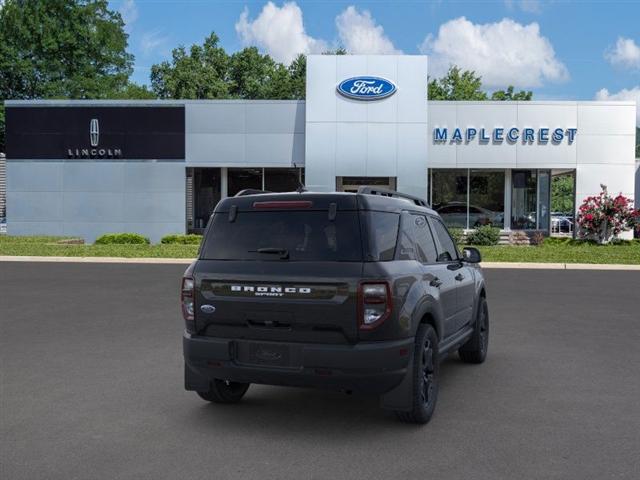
510, 135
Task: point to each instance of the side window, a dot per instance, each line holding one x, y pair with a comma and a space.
406, 241
425, 245
383, 233
447, 249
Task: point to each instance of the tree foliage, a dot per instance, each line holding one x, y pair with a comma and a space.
562, 193
207, 72
458, 84
63, 49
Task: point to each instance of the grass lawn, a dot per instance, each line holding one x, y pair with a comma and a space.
583, 253
48, 247
627, 253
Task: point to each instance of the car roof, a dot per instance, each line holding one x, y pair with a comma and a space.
322, 201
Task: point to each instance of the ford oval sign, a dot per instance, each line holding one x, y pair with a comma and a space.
366, 88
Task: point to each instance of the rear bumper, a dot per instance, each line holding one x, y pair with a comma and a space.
372, 367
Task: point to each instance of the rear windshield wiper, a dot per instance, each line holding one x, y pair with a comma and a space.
283, 252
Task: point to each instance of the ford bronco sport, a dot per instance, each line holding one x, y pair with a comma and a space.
351, 291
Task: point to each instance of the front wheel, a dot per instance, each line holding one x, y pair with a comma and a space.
224, 391
475, 349
426, 369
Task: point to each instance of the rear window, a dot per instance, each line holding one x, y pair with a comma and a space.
305, 236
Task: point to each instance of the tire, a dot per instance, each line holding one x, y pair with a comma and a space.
426, 372
222, 391
475, 350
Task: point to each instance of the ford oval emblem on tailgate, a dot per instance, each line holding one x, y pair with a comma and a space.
208, 308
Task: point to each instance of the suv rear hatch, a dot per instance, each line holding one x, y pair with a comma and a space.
282, 268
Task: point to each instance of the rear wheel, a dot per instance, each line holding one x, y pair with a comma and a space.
224, 391
475, 350
426, 368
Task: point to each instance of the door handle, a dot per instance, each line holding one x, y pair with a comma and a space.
459, 277
435, 282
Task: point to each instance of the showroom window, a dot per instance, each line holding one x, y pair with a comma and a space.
468, 198
243, 178
283, 179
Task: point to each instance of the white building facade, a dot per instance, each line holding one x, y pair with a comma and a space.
84, 168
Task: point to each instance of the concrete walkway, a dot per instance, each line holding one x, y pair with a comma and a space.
516, 265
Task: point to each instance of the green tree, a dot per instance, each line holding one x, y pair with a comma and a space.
61, 49
201, 73
298, 74
457, 85
562, 193
510, 95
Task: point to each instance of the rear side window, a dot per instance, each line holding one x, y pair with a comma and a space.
383, 233
305, 236
446, 250
425, 245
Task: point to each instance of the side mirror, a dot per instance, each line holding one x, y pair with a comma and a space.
471, 255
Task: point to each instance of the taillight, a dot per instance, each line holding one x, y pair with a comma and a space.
374, 304
186, 299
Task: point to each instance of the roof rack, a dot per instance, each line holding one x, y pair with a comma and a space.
384, 192
250, 191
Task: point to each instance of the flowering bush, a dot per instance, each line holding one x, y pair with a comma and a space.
604, 217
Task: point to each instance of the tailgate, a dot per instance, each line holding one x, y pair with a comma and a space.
313, 302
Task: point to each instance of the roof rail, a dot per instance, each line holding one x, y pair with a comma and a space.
250, 191
384, 192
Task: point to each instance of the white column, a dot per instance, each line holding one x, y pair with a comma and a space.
223, 183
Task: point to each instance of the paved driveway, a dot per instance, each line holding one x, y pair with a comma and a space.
92, 389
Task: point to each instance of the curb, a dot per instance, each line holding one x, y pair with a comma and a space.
152, 261
185, 261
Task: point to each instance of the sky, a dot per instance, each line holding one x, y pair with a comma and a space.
561, 50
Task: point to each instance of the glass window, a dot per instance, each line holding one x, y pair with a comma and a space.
406, 242
486, 198
447, 249
425, 246
383, 234
449, 196
281, 179
523, 199
305, 236
242, 178
544, 199
206, 195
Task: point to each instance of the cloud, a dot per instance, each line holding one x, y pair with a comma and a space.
151, 41
278, 31
504, 53
626, 53
632, 94
528, 6
129, 12
360, 34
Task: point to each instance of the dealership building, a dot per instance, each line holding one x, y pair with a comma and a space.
84, 168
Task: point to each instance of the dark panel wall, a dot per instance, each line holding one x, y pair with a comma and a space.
145, 132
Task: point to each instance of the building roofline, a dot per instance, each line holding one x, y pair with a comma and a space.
151, 103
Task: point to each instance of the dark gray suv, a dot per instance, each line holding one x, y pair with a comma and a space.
351, 291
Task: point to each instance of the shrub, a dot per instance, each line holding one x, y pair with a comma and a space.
603, 217
457, 234
190, 239
484, 235
122, 239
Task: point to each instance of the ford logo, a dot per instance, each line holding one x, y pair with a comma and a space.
366, 88
208, 308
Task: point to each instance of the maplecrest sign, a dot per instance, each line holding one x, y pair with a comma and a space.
510, 135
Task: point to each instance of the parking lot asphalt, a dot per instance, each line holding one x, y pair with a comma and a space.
92, 388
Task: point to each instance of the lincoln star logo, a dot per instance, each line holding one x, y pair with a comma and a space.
269, 291
94, 132
94, 141
366, 88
